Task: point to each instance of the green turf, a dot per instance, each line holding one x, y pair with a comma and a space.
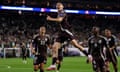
70, 64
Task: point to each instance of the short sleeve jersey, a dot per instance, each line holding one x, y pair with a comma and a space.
40, 44
64, 24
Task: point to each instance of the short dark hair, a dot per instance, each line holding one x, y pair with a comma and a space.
60, 3
96, 27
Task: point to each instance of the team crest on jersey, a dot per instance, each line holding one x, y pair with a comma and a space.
109, 39
100, 41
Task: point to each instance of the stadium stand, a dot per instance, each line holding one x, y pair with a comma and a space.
15, 28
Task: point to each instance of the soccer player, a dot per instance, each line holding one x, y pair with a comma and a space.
97, 43
64, 34
111, 52
24, 52
39, 48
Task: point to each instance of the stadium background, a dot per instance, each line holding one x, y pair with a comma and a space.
20, 26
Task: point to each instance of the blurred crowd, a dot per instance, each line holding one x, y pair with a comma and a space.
112, 5
15, 28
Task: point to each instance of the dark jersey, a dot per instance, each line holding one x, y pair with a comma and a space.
24, 49
40, 44
111, 56
111, 41
96, 46
64, 24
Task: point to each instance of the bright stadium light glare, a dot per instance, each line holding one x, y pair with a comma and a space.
107, 13
55, 10
72, 11
16, 8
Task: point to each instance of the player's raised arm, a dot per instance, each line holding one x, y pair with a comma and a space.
58, 19
61, 13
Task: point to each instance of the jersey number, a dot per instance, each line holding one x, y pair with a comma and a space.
42, 43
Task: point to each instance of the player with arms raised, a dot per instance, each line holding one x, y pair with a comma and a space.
64, 34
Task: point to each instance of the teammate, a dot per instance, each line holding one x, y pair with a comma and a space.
111, 52
64, 34
96, 50
24, 52
39, 48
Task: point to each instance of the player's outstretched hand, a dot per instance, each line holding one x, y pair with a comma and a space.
89, 60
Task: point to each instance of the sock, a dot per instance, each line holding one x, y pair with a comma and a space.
107, 71
115, 67
25, 57
41, 70
35, 70
59, 66
85, 52
116, 70
54, 60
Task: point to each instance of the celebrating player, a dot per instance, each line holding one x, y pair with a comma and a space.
64, 34
96, 50
39, 49
111, 52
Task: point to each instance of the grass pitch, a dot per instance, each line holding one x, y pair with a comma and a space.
70, 64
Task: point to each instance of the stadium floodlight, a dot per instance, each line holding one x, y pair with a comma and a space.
90, 12
107, 13
72, 11
53, 10
16, 8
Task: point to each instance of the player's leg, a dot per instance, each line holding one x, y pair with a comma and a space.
60, 59
59, 66
36, 67
42, 62
25, 57
36, 63
55, 48
115, 66
101, 63
107, 64
114, 63
102, 68
22, 56
75, 43
41, 67
95, 66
